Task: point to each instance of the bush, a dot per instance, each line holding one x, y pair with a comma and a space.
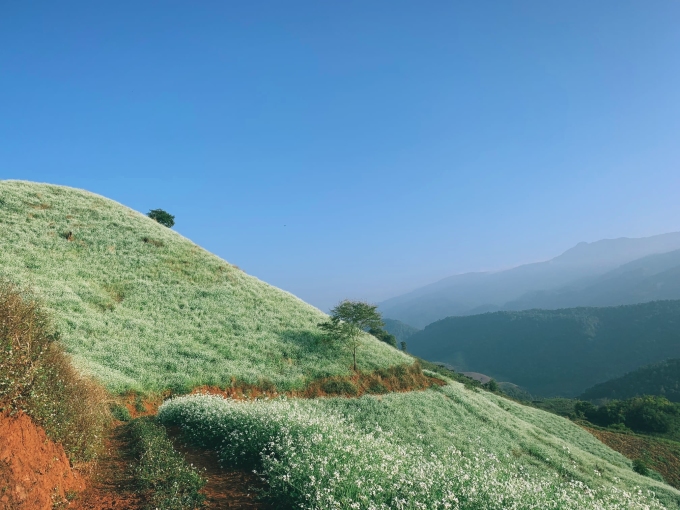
640, 467
384, 336
162, 217
174, 484
36, 377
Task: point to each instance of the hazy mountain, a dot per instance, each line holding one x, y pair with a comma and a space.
661, 379
555, 352
472, 293
647, 279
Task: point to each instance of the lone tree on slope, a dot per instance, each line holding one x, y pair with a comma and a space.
347, 322
162, 217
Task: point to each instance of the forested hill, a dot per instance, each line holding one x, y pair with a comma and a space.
662, 379
555, 352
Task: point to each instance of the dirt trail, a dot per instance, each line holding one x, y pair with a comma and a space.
226, 488
112, 487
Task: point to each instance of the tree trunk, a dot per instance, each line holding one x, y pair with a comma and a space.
355, 357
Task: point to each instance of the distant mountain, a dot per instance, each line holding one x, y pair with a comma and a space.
649, 278
472, 293
661, 379
400, 330
555, 352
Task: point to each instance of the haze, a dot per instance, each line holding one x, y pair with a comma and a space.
355, 149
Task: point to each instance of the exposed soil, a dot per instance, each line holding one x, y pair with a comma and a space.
398, 379
226, 488
35, 473
661, 455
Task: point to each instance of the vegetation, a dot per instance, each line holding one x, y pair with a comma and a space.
400, 330
150, 316
447, 447
347, 323
555, 352
647, 415
662, 379
384, 336
36, 377
164, 218
171, 483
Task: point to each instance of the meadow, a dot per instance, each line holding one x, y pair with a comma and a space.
447, 447
142, 308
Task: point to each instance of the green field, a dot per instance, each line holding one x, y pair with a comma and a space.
143, 308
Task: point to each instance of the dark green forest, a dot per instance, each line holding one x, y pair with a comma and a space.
662, 379
555, 352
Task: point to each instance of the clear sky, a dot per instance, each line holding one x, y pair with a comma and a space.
355, 149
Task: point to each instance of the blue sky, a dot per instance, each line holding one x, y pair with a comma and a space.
355, 149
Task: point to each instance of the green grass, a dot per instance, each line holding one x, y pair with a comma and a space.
142, 308
454, 446
171, 483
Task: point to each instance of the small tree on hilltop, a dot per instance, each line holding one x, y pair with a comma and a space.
348, 321
162, 217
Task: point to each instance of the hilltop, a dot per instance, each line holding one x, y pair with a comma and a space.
555, 352
142, 308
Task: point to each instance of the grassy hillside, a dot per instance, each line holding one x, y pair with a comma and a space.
448, 447
555, 352
140, 307
661, 379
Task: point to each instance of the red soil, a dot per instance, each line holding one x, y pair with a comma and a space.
35, 473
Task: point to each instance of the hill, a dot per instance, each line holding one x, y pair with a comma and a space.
662, 379
400, 330
474, 293
142, 308
555, 352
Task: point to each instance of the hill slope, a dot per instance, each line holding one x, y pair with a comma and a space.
555, 352
473, 293
140, 307
662, 379
449, 447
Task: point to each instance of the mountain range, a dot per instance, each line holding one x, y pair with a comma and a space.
609, 272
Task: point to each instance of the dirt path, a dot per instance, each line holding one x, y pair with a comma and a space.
226, 488
112, 487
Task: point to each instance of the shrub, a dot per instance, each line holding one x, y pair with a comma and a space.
640, 467
37, 377
162, 217
174, 484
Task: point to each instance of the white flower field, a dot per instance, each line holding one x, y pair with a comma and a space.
439, 449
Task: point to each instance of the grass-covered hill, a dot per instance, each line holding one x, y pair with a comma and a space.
661, 379
140, 307
555, 352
